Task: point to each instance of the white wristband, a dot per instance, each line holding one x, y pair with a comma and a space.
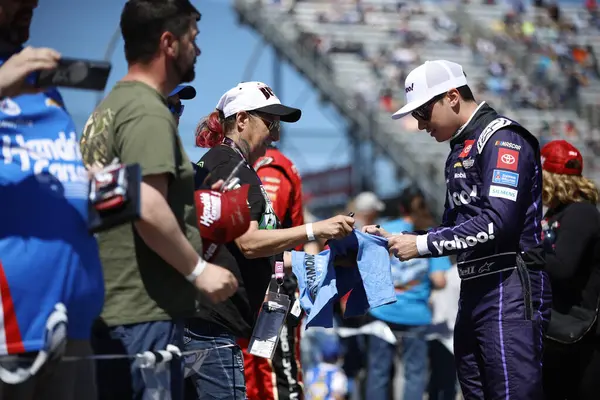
309, 232
197, 270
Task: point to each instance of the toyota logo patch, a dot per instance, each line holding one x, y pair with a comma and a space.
508, 159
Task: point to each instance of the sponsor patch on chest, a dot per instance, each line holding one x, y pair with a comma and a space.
510, 145
468, 163
507, 159
467, 149
505, 178
503, 192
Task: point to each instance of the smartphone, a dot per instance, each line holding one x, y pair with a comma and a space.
76, 73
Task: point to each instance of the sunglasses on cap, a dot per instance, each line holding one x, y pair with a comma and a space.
423, 113
176, 109
272, 125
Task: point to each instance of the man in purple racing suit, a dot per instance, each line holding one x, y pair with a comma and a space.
492, 223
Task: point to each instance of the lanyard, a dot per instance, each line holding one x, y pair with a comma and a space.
279, 272
231, 144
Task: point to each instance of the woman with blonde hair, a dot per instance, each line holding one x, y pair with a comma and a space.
572, 237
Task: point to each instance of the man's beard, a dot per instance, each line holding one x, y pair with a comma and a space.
187, 74
20, 35
18, 32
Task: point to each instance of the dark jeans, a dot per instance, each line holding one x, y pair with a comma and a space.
123, 379
216, 373
412, 348
354, 354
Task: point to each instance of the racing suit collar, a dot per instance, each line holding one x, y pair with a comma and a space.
482, 111
462, 128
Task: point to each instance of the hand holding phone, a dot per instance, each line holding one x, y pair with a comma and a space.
15, 70
76, 73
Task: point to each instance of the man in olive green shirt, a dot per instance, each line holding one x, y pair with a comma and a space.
152, 268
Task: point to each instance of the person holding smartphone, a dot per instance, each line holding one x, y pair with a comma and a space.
20, 65
244, 124
51, 283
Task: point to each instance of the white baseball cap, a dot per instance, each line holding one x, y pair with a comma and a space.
256, 96
368, 201
429, 80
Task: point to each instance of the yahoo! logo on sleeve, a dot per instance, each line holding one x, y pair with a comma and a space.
410, 88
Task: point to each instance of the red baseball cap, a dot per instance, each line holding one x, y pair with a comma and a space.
222, 217
561, 157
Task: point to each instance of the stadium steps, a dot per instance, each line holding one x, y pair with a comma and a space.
461, 55
351, 68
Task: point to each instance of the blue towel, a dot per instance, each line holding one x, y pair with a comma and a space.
321, 283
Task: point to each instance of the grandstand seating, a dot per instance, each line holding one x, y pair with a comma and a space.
492, 15
355, 36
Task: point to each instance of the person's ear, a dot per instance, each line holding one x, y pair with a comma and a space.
242, 120
169, 44
453, 97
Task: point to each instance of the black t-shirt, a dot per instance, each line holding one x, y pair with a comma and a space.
239, 312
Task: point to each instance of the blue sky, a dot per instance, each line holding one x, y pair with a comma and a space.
82, 28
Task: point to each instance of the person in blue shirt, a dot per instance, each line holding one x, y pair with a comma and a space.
411, 315
51, 285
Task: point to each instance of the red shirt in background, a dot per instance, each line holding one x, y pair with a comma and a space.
283, 185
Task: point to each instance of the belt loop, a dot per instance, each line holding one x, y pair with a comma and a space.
526, 287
